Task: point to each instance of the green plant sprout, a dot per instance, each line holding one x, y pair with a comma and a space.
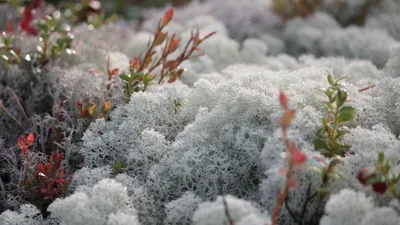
328, 138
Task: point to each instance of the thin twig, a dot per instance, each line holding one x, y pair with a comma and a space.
309, 198
19, 104
367, 88
11, 115
3, 189
291, 213
227, 214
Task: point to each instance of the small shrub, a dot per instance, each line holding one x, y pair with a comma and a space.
141, 71
329, 136
48, 181
289, 9
295, 157
380, 177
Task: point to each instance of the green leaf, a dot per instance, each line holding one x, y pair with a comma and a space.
320, 144
125, 77
329, 93
374, 179
147, 79
381, 158
117, 166
44, 36
340, 133
43, 27
331, 80
341, 97
55, 49
321, 133
343, 150
346, 113
322, 190
328, 106
136, 76
324, 121
6, 40
52, 23
394, 178
340, 79
336, 146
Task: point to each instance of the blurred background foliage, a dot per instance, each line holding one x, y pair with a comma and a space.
129, 9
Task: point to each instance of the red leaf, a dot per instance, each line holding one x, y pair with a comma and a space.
10, 26
380, 187
283, 99
114, 71
160, 38
26, 21
25, 150
299, 157
173, 45
52, 154
21, 141
79, 104
30, 139
364, 174
170, 64
287, 119
53, 191
39, 169
135, 63
84, 113
43, 191
60, 179
167, 17
46, 168
57, 161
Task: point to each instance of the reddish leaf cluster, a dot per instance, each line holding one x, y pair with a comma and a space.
295, 157
289, 9
28, 16
366, 174
380, 177
87, 109
24, 144
48, 178
83, 107
168, 66
51, 177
